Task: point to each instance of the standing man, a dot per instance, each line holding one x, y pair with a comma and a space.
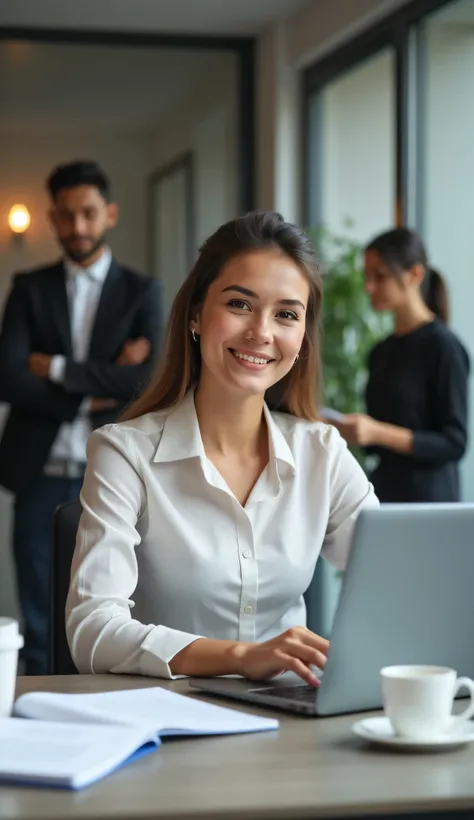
77, 343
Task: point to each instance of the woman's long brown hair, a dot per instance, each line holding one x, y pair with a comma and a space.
299, 391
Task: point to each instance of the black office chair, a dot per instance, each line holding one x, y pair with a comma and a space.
65, 525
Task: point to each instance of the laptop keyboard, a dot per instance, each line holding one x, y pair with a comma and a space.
305, 694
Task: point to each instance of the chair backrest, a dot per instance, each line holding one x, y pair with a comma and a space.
65, 525
321, 598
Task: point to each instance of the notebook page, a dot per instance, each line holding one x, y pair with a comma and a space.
64, 754
162, 711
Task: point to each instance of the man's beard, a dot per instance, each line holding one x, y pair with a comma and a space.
82, 255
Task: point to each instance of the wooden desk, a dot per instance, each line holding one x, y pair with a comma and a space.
311, 768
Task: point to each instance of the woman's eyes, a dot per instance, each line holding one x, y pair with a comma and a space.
239, 304
375, 276
287, 315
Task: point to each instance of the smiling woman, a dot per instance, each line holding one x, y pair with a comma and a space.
172, 498
273, 265
250, 344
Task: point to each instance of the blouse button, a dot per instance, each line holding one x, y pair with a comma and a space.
246, 554
248, 610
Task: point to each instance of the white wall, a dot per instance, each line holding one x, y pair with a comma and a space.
206, 124
449, 194
215, 164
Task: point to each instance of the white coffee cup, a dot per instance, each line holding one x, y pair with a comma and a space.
10, 643
418, 700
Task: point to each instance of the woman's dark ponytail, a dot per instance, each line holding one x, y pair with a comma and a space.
400, 249
435, 294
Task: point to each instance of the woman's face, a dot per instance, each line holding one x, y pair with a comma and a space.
252, 323
385, 290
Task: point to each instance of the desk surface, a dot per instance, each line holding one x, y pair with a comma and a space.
311, 768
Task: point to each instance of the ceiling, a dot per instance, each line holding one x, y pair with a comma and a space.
207, 17
46, 87
55, 86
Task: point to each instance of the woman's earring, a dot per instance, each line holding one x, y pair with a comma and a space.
297, 357
193, 333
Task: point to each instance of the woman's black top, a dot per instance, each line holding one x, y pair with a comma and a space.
420, 381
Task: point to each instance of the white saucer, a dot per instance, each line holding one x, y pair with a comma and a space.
379, 730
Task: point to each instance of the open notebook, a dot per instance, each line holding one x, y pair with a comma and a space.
72, 740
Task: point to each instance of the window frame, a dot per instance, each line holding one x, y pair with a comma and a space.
402, 32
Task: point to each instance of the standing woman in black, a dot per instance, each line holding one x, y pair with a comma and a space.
417, 390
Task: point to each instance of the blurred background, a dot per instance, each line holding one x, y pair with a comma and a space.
348, 117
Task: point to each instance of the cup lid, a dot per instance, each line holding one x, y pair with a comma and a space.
10, 637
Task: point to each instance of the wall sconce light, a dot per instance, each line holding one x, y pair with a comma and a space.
19, 219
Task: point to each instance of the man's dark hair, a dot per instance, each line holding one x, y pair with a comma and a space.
81, 172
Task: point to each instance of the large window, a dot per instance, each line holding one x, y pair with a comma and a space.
389, 141
447, 212
353, 144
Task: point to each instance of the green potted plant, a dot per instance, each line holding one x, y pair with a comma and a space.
351, 328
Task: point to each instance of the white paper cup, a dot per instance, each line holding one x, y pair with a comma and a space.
10, 643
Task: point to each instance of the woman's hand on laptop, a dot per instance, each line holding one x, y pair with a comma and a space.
295, 650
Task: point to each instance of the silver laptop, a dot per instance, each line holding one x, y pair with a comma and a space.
407, 597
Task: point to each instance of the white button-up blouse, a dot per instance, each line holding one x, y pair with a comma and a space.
166, 554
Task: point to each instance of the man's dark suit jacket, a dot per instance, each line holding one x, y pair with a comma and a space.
36, 319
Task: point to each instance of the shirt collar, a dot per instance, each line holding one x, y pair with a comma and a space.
279, 447
97, 271
181, 437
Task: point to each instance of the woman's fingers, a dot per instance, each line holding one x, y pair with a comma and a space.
322, 643
300, 633
304, 652
292, 664
297, 649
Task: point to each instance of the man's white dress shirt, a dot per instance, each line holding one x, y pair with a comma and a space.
165, 553
84, 287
